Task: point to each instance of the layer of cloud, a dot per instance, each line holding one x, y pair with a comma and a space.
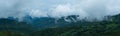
59, 8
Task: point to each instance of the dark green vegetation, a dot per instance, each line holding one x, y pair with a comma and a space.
14, 28
107, 27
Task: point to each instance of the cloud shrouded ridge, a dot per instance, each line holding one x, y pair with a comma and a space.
59, 8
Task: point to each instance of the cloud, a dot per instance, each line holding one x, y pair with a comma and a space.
113, 7
8, 8
59, 8
37, 13
62, 10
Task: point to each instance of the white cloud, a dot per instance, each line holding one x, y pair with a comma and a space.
59, 8
62, 10
37, 13
113, 7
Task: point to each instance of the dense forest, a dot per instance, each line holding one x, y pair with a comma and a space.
107, 27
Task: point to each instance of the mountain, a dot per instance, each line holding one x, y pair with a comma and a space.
65, 26
47, 22
109, 27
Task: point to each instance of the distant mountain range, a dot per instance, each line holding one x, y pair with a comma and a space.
47, 22
46, 25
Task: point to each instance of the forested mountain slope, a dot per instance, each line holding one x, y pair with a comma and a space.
107, 27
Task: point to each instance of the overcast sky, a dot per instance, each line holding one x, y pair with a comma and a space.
59, 8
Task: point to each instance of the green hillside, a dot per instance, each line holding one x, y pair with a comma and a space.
14, 28
107, 27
